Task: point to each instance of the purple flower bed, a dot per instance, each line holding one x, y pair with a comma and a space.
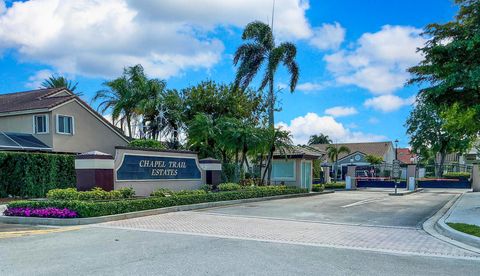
48, 212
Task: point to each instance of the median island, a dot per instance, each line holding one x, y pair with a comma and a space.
70, 203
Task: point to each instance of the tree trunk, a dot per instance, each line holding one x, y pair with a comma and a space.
439, 172
271, 123
129, 126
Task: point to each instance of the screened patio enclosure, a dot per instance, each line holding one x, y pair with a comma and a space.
21, 141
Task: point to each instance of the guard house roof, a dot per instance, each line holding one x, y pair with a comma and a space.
299, 152
368, 148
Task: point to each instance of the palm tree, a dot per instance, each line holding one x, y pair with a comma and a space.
173, 116
258, 50
282, 143
319, 139
333, 152
55, 81
373, 159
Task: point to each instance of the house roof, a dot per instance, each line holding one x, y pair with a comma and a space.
368, 148
405, 155
34, 99
306, 152
46, 99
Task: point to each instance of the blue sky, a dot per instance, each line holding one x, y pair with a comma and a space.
352, 54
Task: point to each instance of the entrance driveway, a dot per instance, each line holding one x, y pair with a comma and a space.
368, 207
352, 219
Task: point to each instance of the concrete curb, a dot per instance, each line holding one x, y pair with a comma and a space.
442, 227
436, 227
402, 193
83, 221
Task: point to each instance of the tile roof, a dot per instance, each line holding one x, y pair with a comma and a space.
30, 100
300, 152
405, 155
368, 148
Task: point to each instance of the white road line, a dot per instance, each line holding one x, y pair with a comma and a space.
365, 201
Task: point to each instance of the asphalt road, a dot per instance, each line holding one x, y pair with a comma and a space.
109, 251
351, 207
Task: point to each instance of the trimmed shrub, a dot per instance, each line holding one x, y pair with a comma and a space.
127, 192
189, 192
318, 187
229, 187
49, 212
104, 208
95, 194
146, 143
457, 175
26, 174
338, 185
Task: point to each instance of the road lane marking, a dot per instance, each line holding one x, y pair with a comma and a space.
23, 233
365, 201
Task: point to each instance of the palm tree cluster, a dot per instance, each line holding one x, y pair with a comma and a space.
231, 122
135, 97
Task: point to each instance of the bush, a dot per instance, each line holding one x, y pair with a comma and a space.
229, 187
26, 174
189, 192
104, 208
457, 175
95, 194
146, 143
338, 185
206, 188
49, 212
318, 187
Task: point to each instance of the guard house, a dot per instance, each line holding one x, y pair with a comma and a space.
294, 167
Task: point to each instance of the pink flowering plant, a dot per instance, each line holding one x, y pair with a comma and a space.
48, 212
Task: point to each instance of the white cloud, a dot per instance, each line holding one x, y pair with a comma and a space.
36, 80
98, 38
311, 86
388, 103
290, 20
328, 36
304, 126
378, 62
340, 111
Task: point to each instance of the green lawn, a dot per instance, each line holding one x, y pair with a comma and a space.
466, 228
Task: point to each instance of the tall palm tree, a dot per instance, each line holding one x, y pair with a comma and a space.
319, 139
173, 117
55, 81
260, 50
333, 152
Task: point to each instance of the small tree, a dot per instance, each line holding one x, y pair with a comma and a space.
373, 159
333, 151
428, 134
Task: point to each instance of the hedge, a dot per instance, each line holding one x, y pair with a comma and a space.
104, 208
33, 174
457, 175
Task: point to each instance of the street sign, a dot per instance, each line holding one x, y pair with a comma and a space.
396, 169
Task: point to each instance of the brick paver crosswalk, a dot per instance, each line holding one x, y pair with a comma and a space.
376, 238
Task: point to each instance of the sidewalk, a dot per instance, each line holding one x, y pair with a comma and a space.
466, 210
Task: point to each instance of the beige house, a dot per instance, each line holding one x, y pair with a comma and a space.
55, 120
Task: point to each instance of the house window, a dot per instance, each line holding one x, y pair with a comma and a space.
40, 124
65, 124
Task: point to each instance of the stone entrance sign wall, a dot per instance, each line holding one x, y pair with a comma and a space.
148, 170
